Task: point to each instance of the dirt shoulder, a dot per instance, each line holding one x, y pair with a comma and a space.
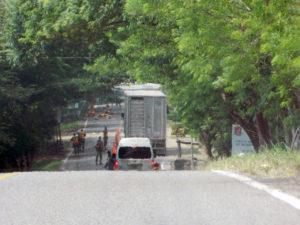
289, 185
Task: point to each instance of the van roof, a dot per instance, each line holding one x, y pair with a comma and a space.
145, 142
145, 86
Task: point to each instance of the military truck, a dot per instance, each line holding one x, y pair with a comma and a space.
145, 115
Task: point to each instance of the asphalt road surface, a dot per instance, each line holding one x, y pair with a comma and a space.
119, 197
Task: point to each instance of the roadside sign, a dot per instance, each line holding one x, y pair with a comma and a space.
240, 141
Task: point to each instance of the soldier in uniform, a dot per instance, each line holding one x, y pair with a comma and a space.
81, 136
99, 149
105, 137
75, 144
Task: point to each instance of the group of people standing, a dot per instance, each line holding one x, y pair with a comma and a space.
78, 141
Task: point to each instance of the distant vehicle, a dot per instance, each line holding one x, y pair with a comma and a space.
145, 115
134, 153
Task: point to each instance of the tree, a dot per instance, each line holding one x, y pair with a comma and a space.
45, 48
152, 45
230, 47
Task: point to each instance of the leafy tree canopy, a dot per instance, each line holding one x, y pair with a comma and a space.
239, 57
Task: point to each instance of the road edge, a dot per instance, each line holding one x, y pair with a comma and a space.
289, 199
8, 175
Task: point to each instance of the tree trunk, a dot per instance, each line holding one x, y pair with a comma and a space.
288, 136
206, 139
263, 128
208, 149
227, 152
249, 126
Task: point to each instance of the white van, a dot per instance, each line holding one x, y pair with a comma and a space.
134, 153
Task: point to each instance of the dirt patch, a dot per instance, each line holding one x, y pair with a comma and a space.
290, 185
49, 156
57, 150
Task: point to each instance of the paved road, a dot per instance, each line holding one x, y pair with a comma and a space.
116, 197
94, 129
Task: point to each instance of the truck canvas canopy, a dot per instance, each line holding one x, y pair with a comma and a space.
145, 116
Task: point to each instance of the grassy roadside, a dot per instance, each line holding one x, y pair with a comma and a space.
270, 163
47, 165
65, 127
50, 161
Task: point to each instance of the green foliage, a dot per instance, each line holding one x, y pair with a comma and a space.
69, 126
220, 62
154, 46
218, 59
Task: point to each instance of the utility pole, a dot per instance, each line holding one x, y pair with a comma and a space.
177, 140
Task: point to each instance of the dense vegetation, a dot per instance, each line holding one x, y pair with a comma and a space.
47, 51
220, 61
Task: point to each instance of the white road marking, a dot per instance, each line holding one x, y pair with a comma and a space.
66, 159
289, 199
86, 122
8, 175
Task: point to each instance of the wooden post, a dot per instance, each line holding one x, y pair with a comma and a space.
59, 132
192, 155
179, 148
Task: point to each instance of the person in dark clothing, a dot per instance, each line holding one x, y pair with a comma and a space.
105, 137
110, 161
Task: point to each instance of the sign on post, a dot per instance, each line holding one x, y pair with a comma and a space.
240, 141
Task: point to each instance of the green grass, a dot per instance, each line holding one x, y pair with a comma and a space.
67, 146
69, 126
47, 165
270, 163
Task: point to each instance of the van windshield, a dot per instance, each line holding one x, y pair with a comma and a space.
134, 153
